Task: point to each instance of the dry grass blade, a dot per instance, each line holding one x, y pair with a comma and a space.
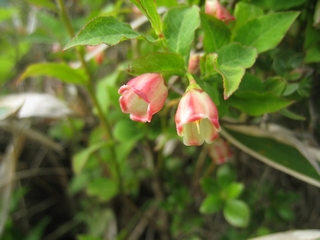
7, 170
32, 134
292, 235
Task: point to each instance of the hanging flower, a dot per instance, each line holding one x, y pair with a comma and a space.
220, 151
143, 96
194, 64
197, 117
214, 8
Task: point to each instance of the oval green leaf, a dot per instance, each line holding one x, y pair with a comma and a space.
106, 30
179, 26
237, 213
164, 63
211, 204
61, 71
256, 104
265, 32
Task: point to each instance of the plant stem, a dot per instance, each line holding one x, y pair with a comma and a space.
199, 164
90, 88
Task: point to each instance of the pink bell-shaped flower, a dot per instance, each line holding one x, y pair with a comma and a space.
214, 8
197, 117
143, 96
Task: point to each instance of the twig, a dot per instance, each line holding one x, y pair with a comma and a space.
35, 135
199, 164
35, 173
142, 224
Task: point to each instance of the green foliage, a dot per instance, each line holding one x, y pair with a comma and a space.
165, 63
279, 155
43, 3
179, 25
106, 30
9, 55
148, 8
57, 70
245, 12
236, 213
80, 159
231, 65
265, 32
103, 188
222, 195
276, 5
256, 104
216, 33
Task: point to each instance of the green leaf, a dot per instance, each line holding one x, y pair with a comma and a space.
275, 85
37, 231
231, 78
243, 13
216, 33
43, 3
80, 159
236, 212
250, 83
312, 55
290, 88
278, 155
289, 114
7, 13
286, 213
211, 204
225, 176
235, 55
231, 75
167, 3
10, 55
312, 35
278, 5
149, 9
164, 63
88, 237
103, 188
231, 64
210, 186
179, 25
127, 130
234, 190
265, 32
60, 71
256, 104
106, 30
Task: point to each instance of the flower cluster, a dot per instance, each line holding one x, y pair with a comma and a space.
196, 117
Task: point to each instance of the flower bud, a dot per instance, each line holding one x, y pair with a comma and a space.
143, 96
197, 117
214, 8
194, 64
99, 57
220, 151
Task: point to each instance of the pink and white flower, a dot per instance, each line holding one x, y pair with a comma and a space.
214, 8
220, 151
197, 117
143, 96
